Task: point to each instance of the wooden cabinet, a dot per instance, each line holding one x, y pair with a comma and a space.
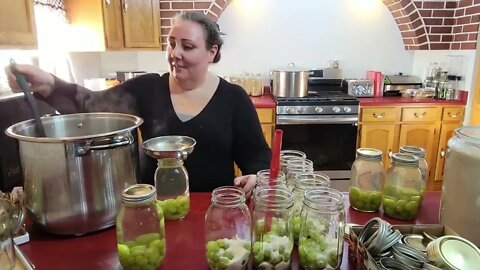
430, 127
114, 24
17, 25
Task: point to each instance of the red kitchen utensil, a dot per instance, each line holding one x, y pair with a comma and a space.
274, 168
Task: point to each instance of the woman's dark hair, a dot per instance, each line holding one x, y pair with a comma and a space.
211, 29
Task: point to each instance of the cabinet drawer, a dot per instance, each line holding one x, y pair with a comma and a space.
453, 114
265, 115
379, 114
420, 114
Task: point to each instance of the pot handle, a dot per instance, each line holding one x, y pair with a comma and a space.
103, 144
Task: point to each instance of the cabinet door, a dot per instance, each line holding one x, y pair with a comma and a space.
381, 137
17, 24
112, 20
422, 135
141, 23
446, 133
267, 130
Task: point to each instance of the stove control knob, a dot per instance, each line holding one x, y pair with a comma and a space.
318, 109
347, 109
301, 110
290, 110
336, 109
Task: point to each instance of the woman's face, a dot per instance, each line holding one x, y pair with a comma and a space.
187, 55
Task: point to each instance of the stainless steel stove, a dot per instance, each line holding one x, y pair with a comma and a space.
323, 125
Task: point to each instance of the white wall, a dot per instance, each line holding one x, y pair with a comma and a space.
361, 34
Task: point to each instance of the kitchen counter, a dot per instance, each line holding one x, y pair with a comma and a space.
185, 240
265, 101
395, 101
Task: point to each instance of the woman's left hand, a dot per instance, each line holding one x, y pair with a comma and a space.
247, 183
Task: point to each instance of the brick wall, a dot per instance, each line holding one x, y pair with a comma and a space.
424, 25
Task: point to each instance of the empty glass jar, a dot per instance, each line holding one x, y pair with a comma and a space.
272, 235
140, 229
367, 180
263, 179
227, 229
286, 155
171, 182
422, 163
321, 236
302, 183
403, 187
297, 165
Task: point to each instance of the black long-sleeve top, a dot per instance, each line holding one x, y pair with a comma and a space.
226, 130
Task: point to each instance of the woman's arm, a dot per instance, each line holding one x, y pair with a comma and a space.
251, 152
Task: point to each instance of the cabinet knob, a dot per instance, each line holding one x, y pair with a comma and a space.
381, 115
452, 115
420, 115
125, 6
107, 2
442, 153
390, 153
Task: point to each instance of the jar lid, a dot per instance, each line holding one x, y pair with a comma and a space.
139, 193
454, 252
414, 150
405, 158
370, 153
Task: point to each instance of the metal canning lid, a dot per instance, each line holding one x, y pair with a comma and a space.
405, 158
370, 153
416, 241
459, 253
139, 193
414, 150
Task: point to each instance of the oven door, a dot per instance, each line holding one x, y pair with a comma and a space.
329, 141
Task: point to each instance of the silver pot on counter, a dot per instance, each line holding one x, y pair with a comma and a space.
73, 178
291, 81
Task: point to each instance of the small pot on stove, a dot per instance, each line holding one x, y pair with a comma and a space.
290, 81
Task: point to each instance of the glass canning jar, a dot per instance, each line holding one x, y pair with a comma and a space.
297, 165
272, 235
403, 187
263, 179
367, 180
7, 252
171, 182
460, 193
323, 225
140, 229
302, 183
422, 163
286, 155
227, 229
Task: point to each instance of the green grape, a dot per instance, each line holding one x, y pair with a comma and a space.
227, 253
145, 239
297, 224
272, 250
176, 208
365, 200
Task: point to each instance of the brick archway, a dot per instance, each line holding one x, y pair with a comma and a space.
424, 25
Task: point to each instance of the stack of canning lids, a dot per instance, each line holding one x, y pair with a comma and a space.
454, 253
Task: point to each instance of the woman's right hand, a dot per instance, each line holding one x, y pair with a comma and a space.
40, 81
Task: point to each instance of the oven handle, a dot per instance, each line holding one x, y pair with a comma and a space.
315, 119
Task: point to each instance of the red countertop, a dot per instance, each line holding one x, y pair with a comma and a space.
392, 101
185, 240
265, 101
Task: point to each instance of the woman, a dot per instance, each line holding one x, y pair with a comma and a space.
188, 100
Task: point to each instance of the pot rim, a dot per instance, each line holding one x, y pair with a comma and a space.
136, 122
291, 67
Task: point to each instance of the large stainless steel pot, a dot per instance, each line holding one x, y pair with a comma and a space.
75, 175
290, 82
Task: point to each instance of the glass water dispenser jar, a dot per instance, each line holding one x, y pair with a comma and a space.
171, 177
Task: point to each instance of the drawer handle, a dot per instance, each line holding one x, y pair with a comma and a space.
125, 6
452, 115
442, 153
381, 115
417, 115
390, 153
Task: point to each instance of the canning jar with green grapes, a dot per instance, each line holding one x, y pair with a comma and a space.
227, 230
171, 182
140, 229
367, 180
403, 187
422, 163
301, 183
272, 223
320, 245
